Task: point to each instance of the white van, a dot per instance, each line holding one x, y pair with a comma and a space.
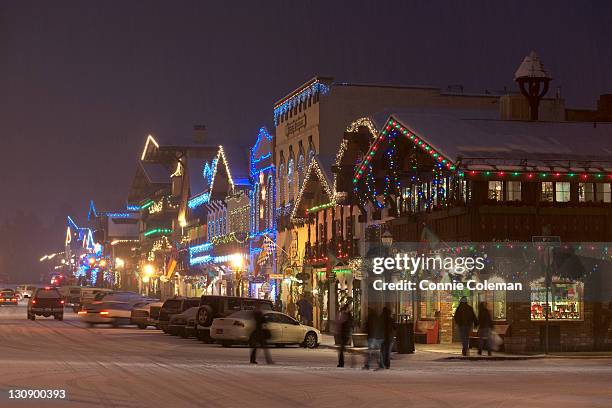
26, 291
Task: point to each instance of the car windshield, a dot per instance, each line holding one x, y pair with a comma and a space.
48, 294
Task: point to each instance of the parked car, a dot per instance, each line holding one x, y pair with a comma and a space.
238, 329
154, 311
112, 312
174, 306
141, 316
72, 297
26, 291
212, 307
178, 322
46, 302
8, 297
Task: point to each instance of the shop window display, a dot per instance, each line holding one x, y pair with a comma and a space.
565, 300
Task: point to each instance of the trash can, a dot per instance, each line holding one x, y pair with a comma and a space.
405, 337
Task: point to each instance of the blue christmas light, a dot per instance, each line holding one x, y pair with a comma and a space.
200, 248
198, 200
303, 95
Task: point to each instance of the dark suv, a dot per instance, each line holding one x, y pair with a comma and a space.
212, 307
46, 302
173, 306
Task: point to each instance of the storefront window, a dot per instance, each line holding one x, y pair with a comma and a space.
496, 190
565, 300
603, 192
514, 190
547, 191
562, 193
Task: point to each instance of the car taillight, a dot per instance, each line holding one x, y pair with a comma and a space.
61, 302
104, 312
33, 300
14, 299
238, 323
82, 312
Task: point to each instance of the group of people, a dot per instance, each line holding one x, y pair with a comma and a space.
466, 320
380, 330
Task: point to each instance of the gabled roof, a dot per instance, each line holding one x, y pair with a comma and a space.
316, 189
261, 152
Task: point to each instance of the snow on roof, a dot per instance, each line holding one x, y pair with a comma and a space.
531, 67
511, 142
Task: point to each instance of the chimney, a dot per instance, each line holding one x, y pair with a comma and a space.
533, 81
199, 134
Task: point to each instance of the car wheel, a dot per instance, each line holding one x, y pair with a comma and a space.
310, 341
32, 317
226, 343
142, 326
205, 315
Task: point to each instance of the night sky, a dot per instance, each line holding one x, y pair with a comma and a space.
83, 82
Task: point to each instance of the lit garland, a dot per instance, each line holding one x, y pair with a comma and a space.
367, 122
119, 215
530, 175
393, 126
198, 200
227, 239
300, 96
132, 207
158, 231
320, 207
313, 166
147, 204
150, 139
122, 241
200, 248
157, 206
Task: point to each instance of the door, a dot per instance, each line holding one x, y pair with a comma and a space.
292, 330
275, 327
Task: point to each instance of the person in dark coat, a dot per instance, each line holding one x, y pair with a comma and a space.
374, 331
485, 324
345, 325
259, 337
388, 326
465, 320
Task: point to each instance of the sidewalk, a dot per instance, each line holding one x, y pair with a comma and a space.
452, 351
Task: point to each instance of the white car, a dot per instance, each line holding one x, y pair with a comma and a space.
113, 312
238, 329
26, 291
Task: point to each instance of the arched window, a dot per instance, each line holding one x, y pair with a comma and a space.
301, 171
255, 208
290, 177
282, 180
270, 202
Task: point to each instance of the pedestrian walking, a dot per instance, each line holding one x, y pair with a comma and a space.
344, 327
305, 308
259, 337
485, 324
465, 320
388, 328
373, 329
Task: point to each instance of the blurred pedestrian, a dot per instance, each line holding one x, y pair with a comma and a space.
305, 308
485, 324
291, 308
259, 337
388, 328
374, 332
344, 327
465, 320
